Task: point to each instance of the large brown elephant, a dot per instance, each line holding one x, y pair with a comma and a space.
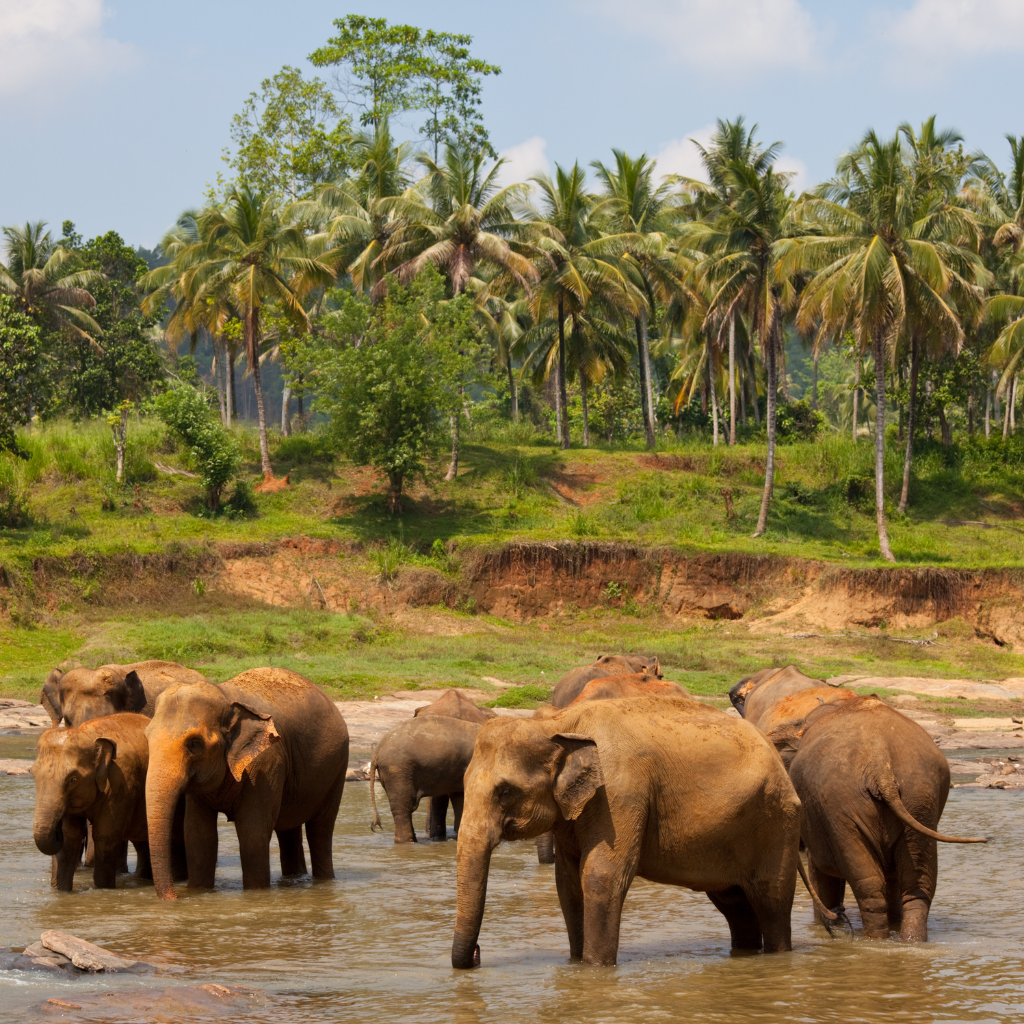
269, 750
423, 757
872, 786
95, 773
636, 684
755, 694
455, 704
569, 687
665, 788
81, 694
797, 706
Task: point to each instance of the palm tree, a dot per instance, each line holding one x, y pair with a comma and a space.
39, 276
247, 255
578, 265
748, 207
882, 265
467, 223
642, 214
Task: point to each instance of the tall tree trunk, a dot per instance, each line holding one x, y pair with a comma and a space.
644, 361
988, 411
232, 393
782, 371
586, 412
1013, 406
513, 391
453, 466
769, 468
220, 374
1006, 410
996, 404
814, 384
856, 398
253, 355
915, 366
286, 412
714, 409
752, 377
563, 400
732, 379
301, 412
883, 533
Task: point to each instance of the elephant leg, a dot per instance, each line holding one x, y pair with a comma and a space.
293, 857
105, 864
179, 861
403, 800
570, 897
869, 888
320, 832
744, 927
546, 848
605, 880
828, 887
200, 843
143, 864
457, 801
62, 874
914, 881
122, 858
254, 849
437, 817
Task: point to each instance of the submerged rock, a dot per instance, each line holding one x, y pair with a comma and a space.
187, 1002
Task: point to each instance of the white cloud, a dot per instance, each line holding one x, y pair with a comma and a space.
523, 161
959, 26
49, 43
791, 165
743, 35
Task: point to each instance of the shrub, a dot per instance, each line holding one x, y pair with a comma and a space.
242, 503
213, 452
797, 421
13, 511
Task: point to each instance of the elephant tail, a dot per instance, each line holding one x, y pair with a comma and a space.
375, 825
889, 791
828, 915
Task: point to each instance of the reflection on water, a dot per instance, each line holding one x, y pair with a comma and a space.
374, 944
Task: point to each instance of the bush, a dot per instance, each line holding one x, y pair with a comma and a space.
242, 503
13, 511
797, 421
212, 450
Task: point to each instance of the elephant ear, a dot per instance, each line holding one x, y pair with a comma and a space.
136, 699
579, 774
106, 751
249, 733
653, 667
50, 695
786, 739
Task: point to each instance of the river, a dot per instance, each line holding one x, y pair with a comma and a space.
374, 944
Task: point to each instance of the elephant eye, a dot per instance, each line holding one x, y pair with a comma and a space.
194, 745
505, 793
72, 778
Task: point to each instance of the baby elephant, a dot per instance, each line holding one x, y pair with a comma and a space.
94, 773
424, 756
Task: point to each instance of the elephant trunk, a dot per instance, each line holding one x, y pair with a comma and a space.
164, 786
474, 861
48, 826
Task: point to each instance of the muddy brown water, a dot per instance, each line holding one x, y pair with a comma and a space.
374, 944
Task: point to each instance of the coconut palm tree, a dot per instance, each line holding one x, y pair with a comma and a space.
882, 264
580, 267
39, 275
642, 214
458, 218
246, 254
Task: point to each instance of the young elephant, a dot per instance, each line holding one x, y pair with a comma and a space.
270, 750
569, 687
418, 758
872, 786
81, 694
668, 789
94, 773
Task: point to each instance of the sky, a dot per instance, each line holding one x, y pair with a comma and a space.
115, 114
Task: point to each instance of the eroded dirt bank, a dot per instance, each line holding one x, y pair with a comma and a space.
523, 581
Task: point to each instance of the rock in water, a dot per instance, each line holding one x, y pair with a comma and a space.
187, 1003
89, 957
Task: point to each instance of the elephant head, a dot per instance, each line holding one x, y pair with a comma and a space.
199, 740
627, 663
82, 694
524, 776
70, 772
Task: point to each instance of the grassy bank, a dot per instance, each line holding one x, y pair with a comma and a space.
514, 484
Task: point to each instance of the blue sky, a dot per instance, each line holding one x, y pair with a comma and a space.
114, 113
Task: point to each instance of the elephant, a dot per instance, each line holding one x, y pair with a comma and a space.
636, 684
752, 696
96, 773
81, 694
422, 757
872, 787
270, 750
568, 688
455, 704
665, 788
798, 706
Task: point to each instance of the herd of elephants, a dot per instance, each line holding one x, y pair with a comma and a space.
622, 774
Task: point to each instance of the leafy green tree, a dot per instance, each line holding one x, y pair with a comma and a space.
21, 354
378, 65
448, 79
290, 137
212, 451
389, 375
